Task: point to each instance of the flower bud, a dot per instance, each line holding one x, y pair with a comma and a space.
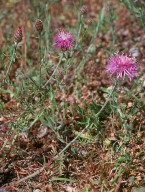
84, 10
39, 25
18, 36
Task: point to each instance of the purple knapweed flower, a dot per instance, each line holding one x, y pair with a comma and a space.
122, 65
64, 39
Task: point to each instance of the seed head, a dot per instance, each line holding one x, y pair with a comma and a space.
39, 25
18, 36
122, 65
64, 39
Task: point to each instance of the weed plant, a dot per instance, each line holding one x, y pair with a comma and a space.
48, 90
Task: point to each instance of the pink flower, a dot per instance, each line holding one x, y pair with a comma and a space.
64, 39
122, 65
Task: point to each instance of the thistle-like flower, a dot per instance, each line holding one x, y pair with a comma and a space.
39, 25
18, 36
64, 39
122, 65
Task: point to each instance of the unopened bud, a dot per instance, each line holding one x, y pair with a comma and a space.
39, 25
18, 36
84, 10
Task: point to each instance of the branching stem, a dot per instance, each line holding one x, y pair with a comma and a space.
71, 142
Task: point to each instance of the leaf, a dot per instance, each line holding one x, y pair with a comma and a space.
124, 158
83, 135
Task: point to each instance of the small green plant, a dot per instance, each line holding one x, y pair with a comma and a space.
137, 8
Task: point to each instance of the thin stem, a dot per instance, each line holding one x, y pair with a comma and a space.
107, 100
79, 29
85, 57
11, 61
96, 116
53, 71
101, 19
39, 52
111, 21
69, 144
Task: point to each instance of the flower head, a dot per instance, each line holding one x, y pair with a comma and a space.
64, 39
122, 65
18, 36
39, 25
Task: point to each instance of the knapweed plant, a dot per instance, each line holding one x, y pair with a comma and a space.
71, 97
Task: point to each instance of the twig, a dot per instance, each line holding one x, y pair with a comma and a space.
36, 172
32, 175
93, 187
117, 188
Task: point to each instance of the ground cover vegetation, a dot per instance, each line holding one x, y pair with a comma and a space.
72, 96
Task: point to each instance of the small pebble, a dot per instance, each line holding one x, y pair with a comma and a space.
134, 51
36, 190
144, 84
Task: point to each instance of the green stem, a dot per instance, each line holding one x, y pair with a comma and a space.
98, 25
39, 50
53, 71
107, 100
70, 143
96, 116
11, 61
